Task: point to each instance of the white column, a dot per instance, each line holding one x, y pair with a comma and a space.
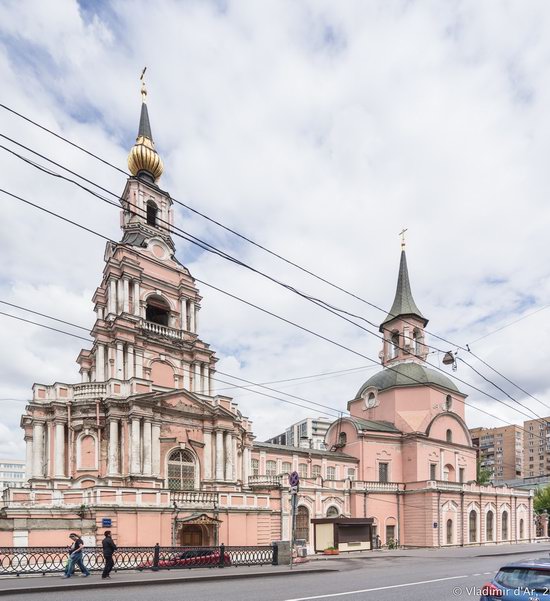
139, 363
38, 450
211, 388
207, 460
205, 379
197, 379
119, 296
219, 454
147, 448
84, 375
183, 314
119, 365
113, 467
100, 362
228, 456
155, 459
246, 465
191, 316
197, 309
186, 376
112, 296
441, 464
135, 461
129, 361
28, 457
235, 458
59, 457
126, 295
136, 298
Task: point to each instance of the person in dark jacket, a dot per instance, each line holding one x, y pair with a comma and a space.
109, 548
75, 557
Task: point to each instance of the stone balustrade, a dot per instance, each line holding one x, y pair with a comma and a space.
184, 498
89, 390
264, 481
159, 330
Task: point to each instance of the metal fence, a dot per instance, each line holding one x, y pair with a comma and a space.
43, 560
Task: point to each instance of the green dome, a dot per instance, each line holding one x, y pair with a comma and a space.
407, 374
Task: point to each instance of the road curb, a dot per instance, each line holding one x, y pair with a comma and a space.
125, 583
547, 550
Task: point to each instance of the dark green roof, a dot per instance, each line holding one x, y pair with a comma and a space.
403, 303
373, 426
144, 125
407, 374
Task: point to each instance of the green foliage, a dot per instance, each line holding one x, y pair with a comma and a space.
541, 501
483, 474
392, 544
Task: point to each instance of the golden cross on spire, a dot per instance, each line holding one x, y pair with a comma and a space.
143, 88
402, 234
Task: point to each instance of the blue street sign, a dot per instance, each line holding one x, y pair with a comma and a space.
294, 479
106, 522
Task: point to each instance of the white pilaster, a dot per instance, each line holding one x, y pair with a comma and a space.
191, 316
246, 465
139, 363
136, 298
207, 460
228, 456
112, 296
113, 451
147, 448
235, 458
197, 309
186, 376
205, 378
100, 362
155, 442
135, 460
197, 379
219, 454
119, 296
126, 294
28, 457
119, 366
183, 314
38, 450
129, 361
211, 389
59, 457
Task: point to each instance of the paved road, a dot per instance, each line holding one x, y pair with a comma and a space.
372, 579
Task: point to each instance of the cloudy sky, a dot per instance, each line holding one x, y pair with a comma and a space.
319, 129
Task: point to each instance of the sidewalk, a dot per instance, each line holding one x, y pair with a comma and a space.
55, 582
540, 549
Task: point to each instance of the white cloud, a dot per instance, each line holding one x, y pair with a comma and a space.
319, 129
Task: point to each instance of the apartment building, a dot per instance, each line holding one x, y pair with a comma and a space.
536, 452
12, 473
500, 451
309, 432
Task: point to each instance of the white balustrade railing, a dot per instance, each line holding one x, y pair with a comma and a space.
264, 481
159, 330
89, 390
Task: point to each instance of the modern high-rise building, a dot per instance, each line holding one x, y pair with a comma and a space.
309, 432
536, 447
500, 451
12, 473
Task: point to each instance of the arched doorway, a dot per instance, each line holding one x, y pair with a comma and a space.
191, 536
449, 531
302, 523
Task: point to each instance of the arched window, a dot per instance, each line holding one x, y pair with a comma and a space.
521, 528
394, 344
449, 532
489, 521
504, 525
286, 467
448, 402
342, 439
152, 211
157, 310
316, 471
473, 526
271, 468
371, 400
181, 470
449, 436
302, 470
416, 342
302, 523
332, 512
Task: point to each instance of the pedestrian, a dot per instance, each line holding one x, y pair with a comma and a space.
109, 548
75, 557
378, 542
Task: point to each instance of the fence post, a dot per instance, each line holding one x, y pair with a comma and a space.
156, 557
275, 560
221, 563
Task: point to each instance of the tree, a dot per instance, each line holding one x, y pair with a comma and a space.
541, 501
484, 474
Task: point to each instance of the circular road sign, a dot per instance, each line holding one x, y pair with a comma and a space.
293, 479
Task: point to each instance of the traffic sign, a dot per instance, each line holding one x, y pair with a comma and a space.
294, 479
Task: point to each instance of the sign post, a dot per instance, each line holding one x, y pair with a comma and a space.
294, 483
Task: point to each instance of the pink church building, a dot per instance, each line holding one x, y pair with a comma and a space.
143, 441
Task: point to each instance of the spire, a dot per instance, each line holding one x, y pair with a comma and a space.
143, 160
403, 303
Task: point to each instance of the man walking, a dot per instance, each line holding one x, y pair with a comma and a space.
75, 557
109, 548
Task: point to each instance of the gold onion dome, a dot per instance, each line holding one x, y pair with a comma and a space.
143, 158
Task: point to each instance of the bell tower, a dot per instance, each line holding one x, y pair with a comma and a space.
403, 328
